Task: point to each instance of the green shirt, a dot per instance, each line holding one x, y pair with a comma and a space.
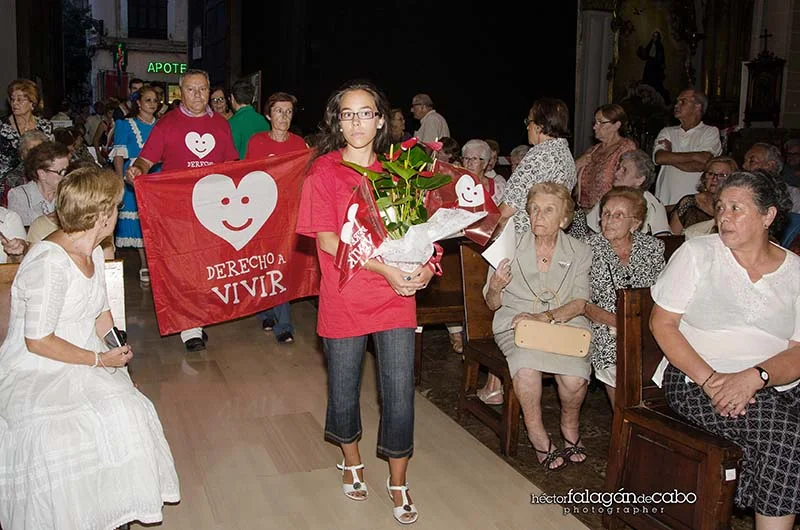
244, 124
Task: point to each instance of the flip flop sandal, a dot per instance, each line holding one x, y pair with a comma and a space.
495, 397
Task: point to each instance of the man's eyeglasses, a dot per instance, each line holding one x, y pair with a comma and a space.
363, 114
470, 159
717, 176
616, 216
60, 172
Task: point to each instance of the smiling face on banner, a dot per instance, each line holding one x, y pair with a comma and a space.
235, 214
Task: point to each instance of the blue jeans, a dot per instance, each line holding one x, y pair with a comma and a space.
281, 315
394, 356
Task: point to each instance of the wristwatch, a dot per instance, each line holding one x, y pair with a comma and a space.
549, 314
763, 374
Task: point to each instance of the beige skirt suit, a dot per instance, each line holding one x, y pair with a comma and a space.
533, 291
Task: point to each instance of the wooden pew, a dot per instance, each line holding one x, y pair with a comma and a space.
654, 450
442, 301
115, 285
480, 349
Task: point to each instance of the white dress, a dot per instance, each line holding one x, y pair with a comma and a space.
80, 447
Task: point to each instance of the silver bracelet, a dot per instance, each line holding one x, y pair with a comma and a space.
96, 359
104, 366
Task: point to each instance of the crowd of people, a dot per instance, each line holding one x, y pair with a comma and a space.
726, 316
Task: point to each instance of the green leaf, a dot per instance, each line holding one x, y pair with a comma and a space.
403, 200
418, 156
384, 202
397, 168
431, 183
422, 213
385, 184
372, 175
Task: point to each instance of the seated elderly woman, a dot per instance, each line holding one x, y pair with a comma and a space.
547, 280
45, 166
80, 447
637, 171
517, 154
727, 316
698, 208
622, 257
475, 156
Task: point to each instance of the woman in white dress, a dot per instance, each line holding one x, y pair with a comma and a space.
80, 447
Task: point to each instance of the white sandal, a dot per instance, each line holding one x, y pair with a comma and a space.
144, 277
406, 508
356, 486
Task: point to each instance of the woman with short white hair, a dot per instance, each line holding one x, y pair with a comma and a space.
475, 156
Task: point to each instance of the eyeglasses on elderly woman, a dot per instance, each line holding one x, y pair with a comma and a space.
716, 176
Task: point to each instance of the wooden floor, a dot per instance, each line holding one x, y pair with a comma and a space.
245, 423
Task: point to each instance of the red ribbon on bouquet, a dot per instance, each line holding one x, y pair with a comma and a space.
465, 191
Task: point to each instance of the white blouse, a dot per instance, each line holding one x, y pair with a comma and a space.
730, 321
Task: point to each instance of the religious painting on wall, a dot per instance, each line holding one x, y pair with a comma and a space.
648, 51
651, 64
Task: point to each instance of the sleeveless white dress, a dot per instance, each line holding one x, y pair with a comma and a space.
80, 447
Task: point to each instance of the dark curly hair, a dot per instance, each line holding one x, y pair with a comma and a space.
767, 191
331, 134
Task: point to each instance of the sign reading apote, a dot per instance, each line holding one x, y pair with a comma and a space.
158, 67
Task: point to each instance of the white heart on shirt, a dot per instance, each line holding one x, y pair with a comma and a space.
200, 145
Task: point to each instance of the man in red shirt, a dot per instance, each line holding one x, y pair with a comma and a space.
190, 137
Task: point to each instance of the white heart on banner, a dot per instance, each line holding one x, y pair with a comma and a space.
200, 145
234, 213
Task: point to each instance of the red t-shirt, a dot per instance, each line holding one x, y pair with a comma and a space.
367, 303
180, 141
262, 146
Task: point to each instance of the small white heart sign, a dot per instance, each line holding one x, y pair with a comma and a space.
470, 195
235, 214
200, 145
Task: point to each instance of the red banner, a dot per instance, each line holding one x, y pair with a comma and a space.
220, 240
465, 191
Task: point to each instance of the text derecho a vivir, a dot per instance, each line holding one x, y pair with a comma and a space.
265, 283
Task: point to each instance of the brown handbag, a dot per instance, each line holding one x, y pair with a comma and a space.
562, 339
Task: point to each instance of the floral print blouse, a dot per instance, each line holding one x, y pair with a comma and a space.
607, 274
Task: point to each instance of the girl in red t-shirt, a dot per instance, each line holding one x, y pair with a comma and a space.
379, 300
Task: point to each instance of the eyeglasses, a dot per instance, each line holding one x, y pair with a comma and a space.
602, 122
717, 176
218, 100
60, 172
470, 159
363, 114
527, 121
616, 216
19, 99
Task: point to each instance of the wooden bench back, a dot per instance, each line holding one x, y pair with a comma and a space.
671, 244
477, 315
115, 284
638, 354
